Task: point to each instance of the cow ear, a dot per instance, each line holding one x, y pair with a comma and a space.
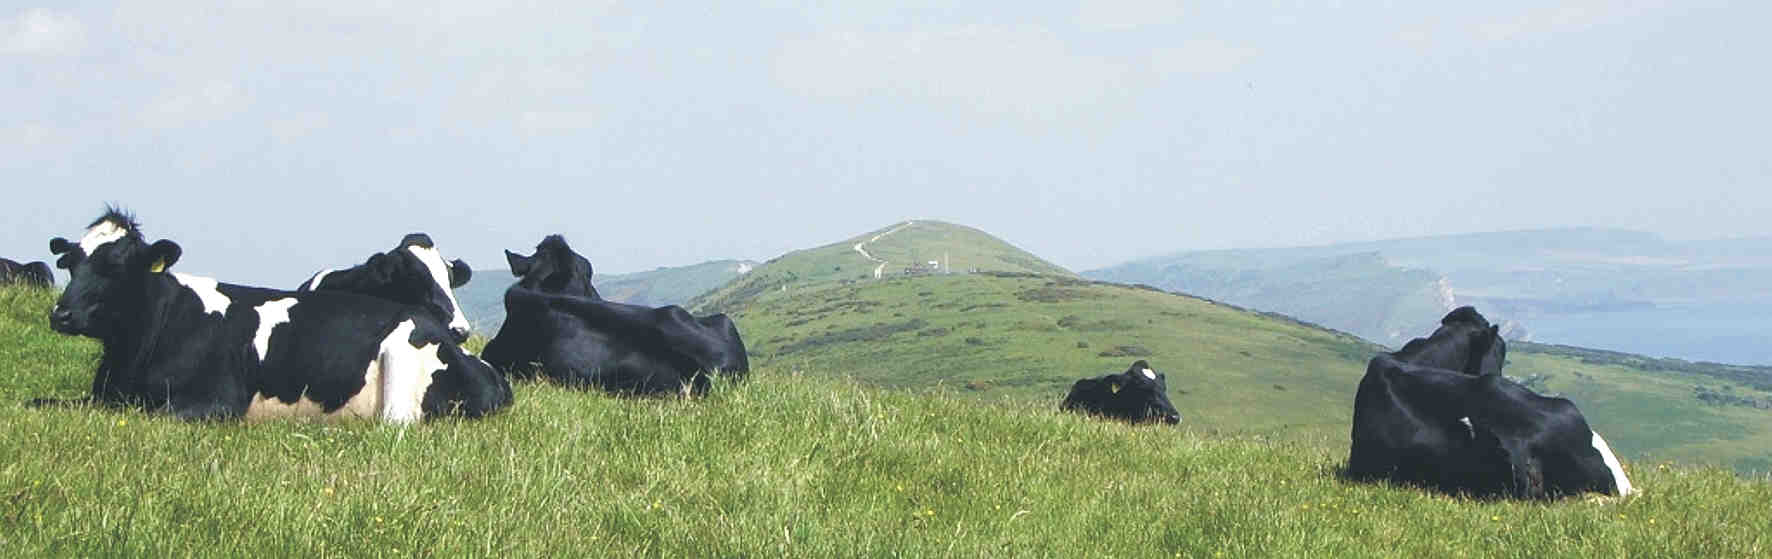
1114, 387
420, 240
162, 255
520, 265
59, 245
459, 273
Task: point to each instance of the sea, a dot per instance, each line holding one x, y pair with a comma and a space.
1734, 333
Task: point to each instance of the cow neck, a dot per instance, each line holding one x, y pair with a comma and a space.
141, 322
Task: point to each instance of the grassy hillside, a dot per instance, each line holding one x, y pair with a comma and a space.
960, 249
1230, 370
483, 298
784, 465
1030, 337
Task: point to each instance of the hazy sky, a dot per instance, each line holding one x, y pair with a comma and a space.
274, 140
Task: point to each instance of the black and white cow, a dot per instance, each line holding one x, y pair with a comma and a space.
195, 348
34, 274
582, 340
1138, 395
554, 268
1465, 342
413, 273
1439, 413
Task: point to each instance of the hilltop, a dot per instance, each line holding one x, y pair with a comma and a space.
916, 247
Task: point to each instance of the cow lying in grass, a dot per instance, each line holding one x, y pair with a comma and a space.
1139, 395
195, 348
553, 318
1439, 413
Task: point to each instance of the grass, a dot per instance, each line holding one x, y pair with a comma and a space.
805, 465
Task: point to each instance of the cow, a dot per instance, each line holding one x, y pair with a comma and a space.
34, 274
413, 273
554, 268
1439, 413
1139, 395
1479, 434
195, 348
553, 317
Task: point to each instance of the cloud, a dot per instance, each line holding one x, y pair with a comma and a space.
40, 31
208, 101
300, 125
1119, 15
1567, 16
1026, 72
1201, 56
538, 122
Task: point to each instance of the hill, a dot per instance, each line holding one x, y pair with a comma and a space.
1618, 290
909, 248
782, 465
483, 298
1026, 337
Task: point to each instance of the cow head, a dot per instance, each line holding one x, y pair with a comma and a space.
105, 267
1465, 341
554, 268
413, 273
1139, 395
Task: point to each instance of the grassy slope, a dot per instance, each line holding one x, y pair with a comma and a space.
785, 465
1229, 370
1019, 337
964, 247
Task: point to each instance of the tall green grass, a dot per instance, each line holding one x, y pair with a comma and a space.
781, 465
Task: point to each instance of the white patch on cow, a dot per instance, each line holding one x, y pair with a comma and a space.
440, 273
1150, 374
1469, 427
1623, 483
314, 284
406, 374
270, 315
101, 234
362, 405
213, 300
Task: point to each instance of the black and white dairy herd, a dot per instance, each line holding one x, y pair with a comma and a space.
383, 340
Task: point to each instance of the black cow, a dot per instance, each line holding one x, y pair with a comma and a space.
1439, 413
552, 317
196, 348
1465, 342
34, 274
554, 268
1482, 434
413, 273
1138, 395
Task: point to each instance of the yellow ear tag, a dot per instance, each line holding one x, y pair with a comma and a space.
158, 266
1115, 387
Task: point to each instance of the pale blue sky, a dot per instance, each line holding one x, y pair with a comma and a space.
275, 140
